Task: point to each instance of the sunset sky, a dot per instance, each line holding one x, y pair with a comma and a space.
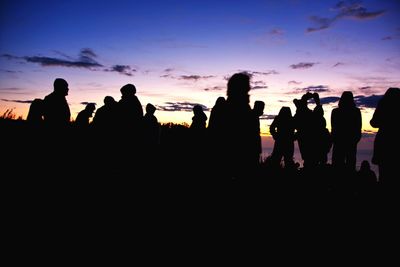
180, 53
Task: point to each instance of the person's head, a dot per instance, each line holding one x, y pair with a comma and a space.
347, 100
61, 86
150, 108
285, 112
220, 101
197, 109
128, 89
238, 86
90, 107
392, 93
259, 107
109, 100
300, 103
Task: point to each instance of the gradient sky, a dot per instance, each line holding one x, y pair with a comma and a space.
180, 53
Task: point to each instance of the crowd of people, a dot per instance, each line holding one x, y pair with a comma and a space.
121, 139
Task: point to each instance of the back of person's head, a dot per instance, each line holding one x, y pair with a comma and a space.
150, 108
285, 112
347, 100
392, 91
109, 100
197, 109
238, 85
35, 110
60, 86
259, 107
128, 89
220, 101
300, 103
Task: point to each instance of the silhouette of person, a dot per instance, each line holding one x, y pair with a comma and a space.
387, 141
216, 134
83, 117
323, 139
239, 128
35, 114
282, 131
258, 111
312, 136
56, 108
130, 117
106, 115
199, 119
346, 132
104, 125
151, 127
217, 116
130, 108
198, 139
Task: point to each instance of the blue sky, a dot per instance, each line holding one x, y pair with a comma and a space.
179, 53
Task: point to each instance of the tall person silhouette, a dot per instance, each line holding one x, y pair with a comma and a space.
130, 116
56, 114
239, 128
387, 141
282, 131
346, 132
130, 108
56, 111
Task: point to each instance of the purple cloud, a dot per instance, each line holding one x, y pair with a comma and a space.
344, 9
179, 106
303, 65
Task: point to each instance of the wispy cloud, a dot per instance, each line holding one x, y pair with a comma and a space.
214, 88
194, 77
294, 83
85, 103
10, 71
253, 73
122, 69
338, 64
10, 57
344, 10
303, 65
256, 85
179, 106
86, 59
315, 88
17, 101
